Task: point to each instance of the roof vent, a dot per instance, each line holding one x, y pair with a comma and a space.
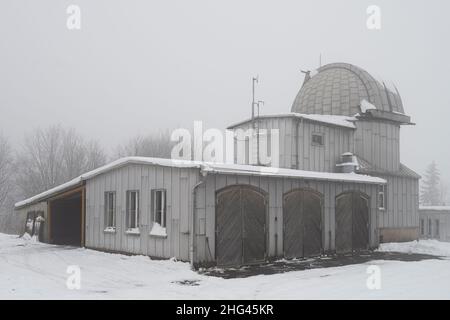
349, 163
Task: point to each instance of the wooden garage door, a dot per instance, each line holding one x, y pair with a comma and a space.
240, 226
229, 227
352, 222
302, 220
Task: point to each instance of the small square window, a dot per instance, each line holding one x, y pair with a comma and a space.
317, 139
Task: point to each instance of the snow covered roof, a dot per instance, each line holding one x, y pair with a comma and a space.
204, 167
435, 208
366, 105
335, 120
115, 164
282, 172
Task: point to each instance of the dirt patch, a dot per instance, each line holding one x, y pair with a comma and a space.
326, 261
188, 282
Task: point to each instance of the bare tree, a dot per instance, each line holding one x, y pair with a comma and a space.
153, 145
53, 156
5, 169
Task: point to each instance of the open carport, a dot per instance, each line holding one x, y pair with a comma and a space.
66, 218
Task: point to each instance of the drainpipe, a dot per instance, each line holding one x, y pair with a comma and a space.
193, 216
297, 156
297, 164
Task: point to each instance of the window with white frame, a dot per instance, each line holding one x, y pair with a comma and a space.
132, 210
110, 210
382, 205
159, 207
159, 212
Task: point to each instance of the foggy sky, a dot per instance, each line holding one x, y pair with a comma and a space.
139, 66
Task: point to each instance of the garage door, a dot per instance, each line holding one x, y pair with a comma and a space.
302, 220
240, 226
352, 222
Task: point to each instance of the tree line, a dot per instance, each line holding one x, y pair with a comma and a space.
53, 155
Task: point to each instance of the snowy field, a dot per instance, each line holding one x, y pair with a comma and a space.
30, 270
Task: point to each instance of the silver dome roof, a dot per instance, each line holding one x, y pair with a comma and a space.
339, 88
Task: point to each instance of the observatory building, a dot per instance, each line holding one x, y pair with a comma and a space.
338, 187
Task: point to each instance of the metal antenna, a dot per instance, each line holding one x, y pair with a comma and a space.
255, 104
254, 81
260, 102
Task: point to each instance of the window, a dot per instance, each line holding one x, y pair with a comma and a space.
429, 227
437, 228
158, 213
317, 139
159, 207
132, 210
422, 227
110, 210
382, 197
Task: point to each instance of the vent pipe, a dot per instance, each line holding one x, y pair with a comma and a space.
349, 163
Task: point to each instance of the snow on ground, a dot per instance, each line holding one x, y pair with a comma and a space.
432, 247
31, 270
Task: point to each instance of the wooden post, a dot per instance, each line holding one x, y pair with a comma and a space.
83, 216
49, 221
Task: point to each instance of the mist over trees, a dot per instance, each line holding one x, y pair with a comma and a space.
6, 160
53, 156
433, 191
156, 145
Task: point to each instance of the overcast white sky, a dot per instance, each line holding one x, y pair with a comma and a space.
139, 66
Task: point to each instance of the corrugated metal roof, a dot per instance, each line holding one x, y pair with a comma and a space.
366, 167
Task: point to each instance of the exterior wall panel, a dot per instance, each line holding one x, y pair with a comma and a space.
276, 188
177, 181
